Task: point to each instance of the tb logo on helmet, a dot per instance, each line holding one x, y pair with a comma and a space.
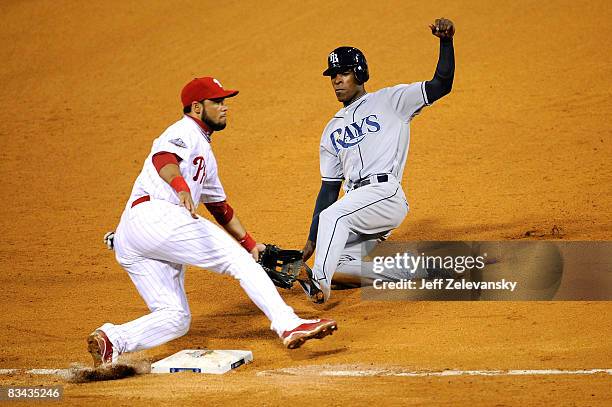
344, 58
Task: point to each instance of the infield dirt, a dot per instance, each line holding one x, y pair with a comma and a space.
521, 145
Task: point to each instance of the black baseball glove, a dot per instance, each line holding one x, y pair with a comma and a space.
282, 266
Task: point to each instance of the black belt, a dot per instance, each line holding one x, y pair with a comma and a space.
368, 181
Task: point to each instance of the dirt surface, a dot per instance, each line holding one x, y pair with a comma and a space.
522, 144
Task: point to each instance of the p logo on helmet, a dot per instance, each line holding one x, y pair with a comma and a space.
343, 58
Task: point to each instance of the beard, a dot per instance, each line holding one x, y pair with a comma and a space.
214, 126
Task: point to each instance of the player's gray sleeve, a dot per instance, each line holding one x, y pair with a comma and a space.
330, 165
407, 100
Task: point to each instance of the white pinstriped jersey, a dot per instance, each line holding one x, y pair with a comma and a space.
198, 165
156, 239
371, 135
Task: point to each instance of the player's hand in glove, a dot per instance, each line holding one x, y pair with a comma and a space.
282, 266
285, 267
257, 250
443, 28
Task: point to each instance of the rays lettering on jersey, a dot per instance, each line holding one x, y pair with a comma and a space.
199, 161
351, 135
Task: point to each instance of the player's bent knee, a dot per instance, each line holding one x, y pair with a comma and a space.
183, 329
327, 215
181, 321
331, 216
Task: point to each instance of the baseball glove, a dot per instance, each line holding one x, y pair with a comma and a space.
282, 266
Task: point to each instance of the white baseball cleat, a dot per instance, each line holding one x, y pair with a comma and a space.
315, 329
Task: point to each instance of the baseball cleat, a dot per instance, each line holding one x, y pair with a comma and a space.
101, 349
315, 329
306, 281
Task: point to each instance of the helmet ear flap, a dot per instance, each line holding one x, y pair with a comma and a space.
361, 68
361, 74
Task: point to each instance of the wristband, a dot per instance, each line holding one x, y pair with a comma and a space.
179, 184
248, 242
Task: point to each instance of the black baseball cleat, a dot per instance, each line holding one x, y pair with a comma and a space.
309, 286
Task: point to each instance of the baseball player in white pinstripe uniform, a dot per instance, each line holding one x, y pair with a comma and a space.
365, 145
160, 233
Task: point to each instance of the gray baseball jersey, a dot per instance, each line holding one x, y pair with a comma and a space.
371, 135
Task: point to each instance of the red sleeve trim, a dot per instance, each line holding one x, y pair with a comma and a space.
221, 211
163, 158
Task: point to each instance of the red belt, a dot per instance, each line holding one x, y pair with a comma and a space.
141, 200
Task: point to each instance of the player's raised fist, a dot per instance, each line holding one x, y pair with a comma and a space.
443, 28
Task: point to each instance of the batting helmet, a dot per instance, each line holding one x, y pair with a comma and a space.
343, 58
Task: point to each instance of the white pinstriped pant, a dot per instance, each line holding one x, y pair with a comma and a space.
153, 242
369, 210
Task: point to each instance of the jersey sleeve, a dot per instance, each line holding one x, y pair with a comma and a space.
212, 190
330, 165
407, 100
172, 142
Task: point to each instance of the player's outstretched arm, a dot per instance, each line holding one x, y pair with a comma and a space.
328, 194
234, 228
442, 81
225, 217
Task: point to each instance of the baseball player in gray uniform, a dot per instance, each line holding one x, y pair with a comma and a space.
365, 145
